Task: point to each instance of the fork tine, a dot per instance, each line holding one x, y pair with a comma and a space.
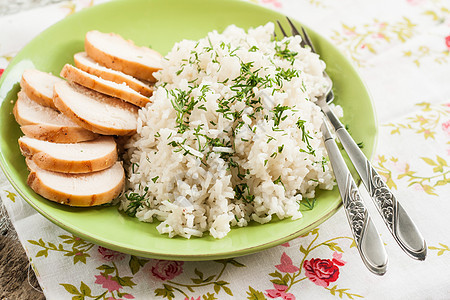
295, 31
281, 28
308, 40
293, 28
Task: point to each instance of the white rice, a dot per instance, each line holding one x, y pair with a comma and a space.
221, 169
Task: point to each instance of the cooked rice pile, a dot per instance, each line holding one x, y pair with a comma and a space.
233, 135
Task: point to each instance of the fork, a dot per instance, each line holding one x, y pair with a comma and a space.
402, 228
367, 239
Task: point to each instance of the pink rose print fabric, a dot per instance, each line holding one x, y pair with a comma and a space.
446, 127
166, 269
110, 255
286, 265
323, 271
107, 283
279, 291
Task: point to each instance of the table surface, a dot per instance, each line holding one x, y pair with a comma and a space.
17, 280
8, 7
402, 51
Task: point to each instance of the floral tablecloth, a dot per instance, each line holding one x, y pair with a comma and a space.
401, 49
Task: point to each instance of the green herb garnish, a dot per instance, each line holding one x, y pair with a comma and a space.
135, 202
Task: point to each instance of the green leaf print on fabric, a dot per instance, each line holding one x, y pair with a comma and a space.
362, 39
441, 250
317, 3
426, 123
8, 57
74, 6
166, 292
71, 289
78, 250
82, 293
199, 279
341, 292
11, 196
108, 279
254, 294
438, 13
427, 180
428, 183
136, 263
426, 53
385, 172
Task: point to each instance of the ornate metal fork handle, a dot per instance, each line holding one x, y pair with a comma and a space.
365, 234
399, 223
402, 228
395, 217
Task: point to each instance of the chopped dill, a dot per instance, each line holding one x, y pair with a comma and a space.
307, 203
287, 75
323, 162
271, 138
134, 165
183, 104
305, 137
285, 53
278, 181
179, 71
242, 191
135, 202
278, 114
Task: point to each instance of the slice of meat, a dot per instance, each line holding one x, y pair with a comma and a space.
87, 189
95, 111
38, 86
83, 157
45, 123
113, 51
121, 91
87, 64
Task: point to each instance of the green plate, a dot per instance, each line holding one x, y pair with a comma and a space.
160, 24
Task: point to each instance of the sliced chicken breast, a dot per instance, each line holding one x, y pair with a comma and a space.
38, 86
87, 189
113, 51
87, 64
45, 123
121, 91
95, 111
84, 157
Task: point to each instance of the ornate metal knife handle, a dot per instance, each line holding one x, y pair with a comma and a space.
366, 237
397, 220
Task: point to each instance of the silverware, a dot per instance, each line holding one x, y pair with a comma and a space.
366, 236
403, 229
